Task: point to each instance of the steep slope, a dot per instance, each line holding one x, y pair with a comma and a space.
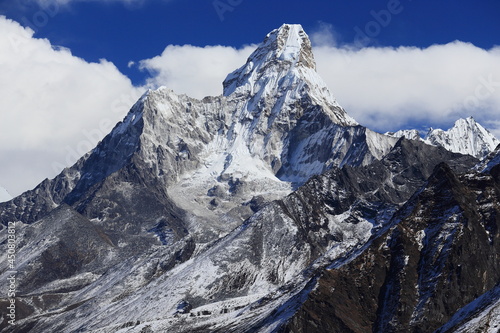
465, 137
260, 267
441, 255
409, 134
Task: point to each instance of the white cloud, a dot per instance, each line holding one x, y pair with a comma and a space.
386, 88
324, 35
195, 71
54, 106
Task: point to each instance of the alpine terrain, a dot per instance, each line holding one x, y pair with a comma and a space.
265, 209
465, 137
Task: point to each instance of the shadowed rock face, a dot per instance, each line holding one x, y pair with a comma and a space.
441, 255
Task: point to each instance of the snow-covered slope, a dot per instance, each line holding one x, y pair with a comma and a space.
465, 137
489, 161
410, 134
4, 195
283, 69
480, 315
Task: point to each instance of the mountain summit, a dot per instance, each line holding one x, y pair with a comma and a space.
466, 137
283, 51
284, 63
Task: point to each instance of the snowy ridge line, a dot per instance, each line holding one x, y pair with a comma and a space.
489, 161
470, 315
465, 137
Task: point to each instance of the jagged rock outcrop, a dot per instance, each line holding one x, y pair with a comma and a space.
441, 255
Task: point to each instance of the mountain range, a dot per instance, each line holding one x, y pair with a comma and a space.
265, 209
465, 137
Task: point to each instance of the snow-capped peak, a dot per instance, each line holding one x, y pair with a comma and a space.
465, 137
410, 134
283, 66
278, 56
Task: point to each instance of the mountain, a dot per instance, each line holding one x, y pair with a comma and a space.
275, 126
229, 214
466, 137
414, 277
4, 195
409, 134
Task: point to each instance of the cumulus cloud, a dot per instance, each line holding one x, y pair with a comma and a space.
195, 71
54, 106
385, 88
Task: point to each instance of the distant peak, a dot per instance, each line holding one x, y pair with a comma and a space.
466, 137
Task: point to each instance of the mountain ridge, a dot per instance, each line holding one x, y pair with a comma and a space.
466, 136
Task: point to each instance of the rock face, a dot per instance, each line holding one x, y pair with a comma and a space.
441, 255
229, 214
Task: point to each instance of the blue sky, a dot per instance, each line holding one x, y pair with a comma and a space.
72, 68
121, 31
